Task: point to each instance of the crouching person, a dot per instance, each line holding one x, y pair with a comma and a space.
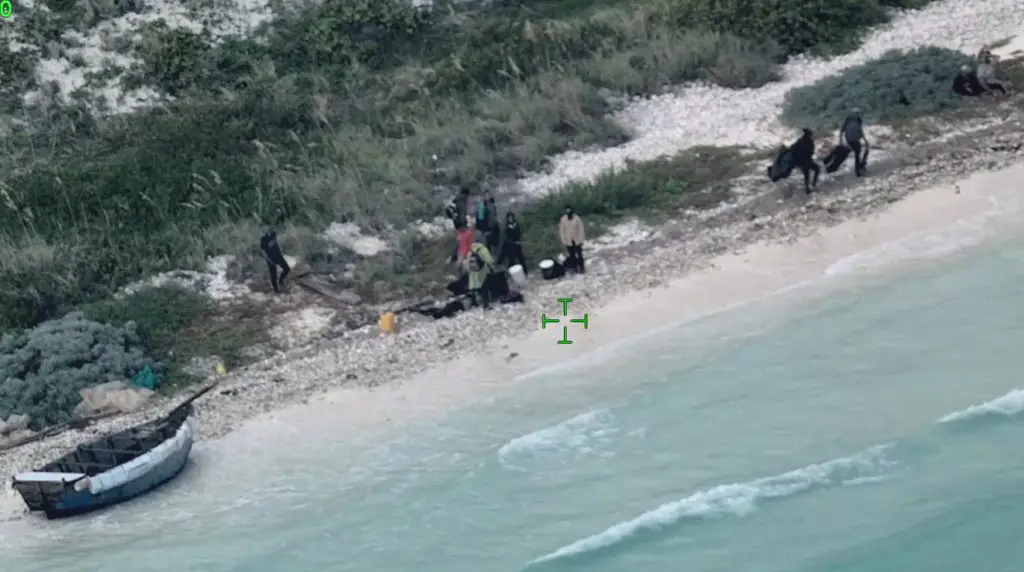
478, 265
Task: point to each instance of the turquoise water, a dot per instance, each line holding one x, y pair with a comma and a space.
842, 438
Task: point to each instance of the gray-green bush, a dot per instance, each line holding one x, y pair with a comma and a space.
43, 369
898, 85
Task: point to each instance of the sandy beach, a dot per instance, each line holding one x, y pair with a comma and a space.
925, 201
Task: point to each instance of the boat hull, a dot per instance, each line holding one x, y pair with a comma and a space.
73, 503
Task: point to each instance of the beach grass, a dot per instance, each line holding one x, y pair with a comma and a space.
178, 324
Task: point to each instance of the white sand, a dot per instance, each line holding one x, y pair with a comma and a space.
987, 206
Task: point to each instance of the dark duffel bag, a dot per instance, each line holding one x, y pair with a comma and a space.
836, 158
782, 167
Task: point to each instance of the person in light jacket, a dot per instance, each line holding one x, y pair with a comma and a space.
478, 265
570, 230
987, 62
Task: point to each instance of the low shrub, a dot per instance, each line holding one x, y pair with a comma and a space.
159, 314
43, 369
672, 58
898, 85
176, 324
798, 26
650, 190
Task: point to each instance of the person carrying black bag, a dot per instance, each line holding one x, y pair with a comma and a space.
852, 133
512, 247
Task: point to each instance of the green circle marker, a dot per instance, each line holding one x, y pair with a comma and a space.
6, 9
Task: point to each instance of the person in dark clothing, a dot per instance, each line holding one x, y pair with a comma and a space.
512, 248
456, 209
852, 133
966, 83
272, 254
487, 223
802, 153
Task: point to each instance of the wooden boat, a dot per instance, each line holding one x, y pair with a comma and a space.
113, 469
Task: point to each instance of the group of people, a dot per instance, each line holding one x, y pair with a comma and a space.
981, 79
485, 250
971, 81
800, 155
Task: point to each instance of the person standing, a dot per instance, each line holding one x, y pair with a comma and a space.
852, 133
478, 265
571, 231
512, 248
272, 254
456, 209
486, 222
464, 238
802, 153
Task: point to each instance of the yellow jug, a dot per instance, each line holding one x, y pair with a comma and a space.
388, 323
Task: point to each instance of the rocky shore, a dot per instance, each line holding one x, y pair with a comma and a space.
757, 212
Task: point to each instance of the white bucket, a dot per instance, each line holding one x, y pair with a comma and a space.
517, 275
546, 264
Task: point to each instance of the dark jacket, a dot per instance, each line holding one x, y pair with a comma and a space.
802, 151
486, 215
456, 209
513, 232
270, 247
967, 84
852, 130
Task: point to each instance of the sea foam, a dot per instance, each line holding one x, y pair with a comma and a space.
1007, 406
735, 499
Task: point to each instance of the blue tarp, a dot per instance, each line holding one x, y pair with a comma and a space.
146, 378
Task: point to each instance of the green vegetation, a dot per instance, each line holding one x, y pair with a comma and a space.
367, 111
173, 326
897, 86
652, 191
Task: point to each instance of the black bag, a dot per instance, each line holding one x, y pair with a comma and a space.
782, 167
836, 158
498, 283
554, 272
459, 286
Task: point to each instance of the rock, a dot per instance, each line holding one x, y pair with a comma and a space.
13, 424
349, 297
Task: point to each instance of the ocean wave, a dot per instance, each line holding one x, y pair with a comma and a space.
1007, 405
577, 434
737, 499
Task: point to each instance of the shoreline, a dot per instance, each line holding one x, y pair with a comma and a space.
729, 282
695, 265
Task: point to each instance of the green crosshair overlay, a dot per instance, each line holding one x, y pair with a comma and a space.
545, 320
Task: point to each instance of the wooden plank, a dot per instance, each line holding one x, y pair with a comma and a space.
320, 286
